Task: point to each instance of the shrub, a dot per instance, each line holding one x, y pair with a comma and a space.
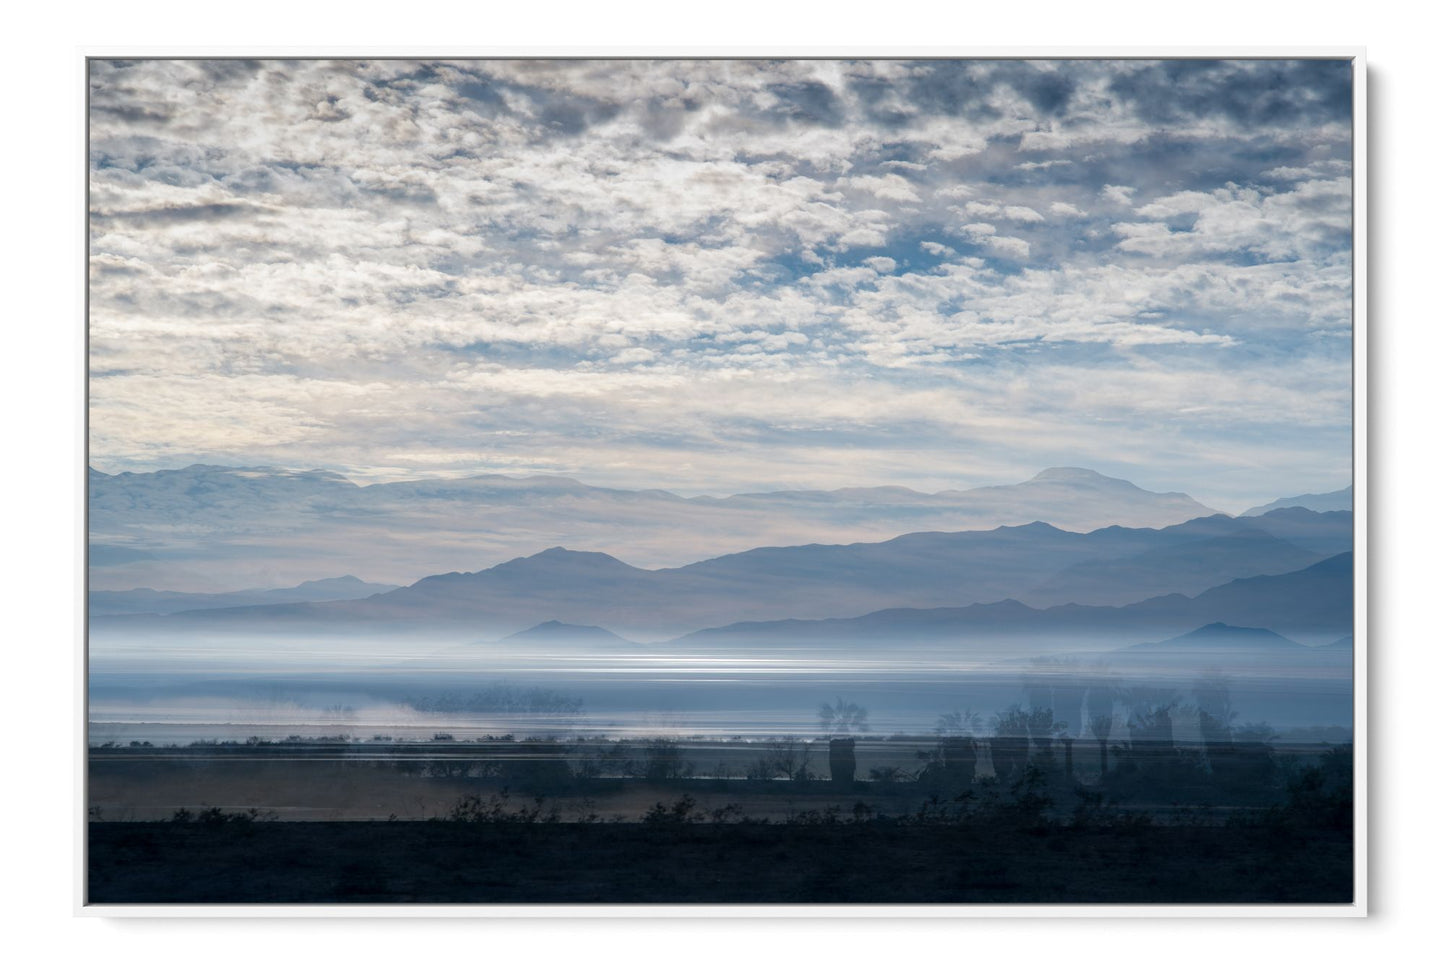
471, 808
678, 814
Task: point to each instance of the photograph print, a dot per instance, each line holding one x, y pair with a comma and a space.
721, 482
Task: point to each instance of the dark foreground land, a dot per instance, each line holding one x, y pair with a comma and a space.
297, 822
869, 862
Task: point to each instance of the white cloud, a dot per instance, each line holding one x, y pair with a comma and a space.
1281, 226
511, 253
862, 237
889, 187
1117, 193
1026, 215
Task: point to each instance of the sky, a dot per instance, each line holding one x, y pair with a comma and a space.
724, 276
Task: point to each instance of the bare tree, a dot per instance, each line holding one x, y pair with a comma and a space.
963, 724
783, 758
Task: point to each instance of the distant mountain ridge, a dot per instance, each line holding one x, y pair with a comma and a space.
1314, 604
552, 633
193, 527
1338, 501
1216, 636
1037, 563
144, 601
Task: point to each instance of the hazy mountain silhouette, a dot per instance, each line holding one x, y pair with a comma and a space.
1187, 568
1217, 636
1315, 603
1340, 501
1318, 601
1037, 563
1259, 655
193, 527
152, 602
1076, 499
1325, 532
554, 633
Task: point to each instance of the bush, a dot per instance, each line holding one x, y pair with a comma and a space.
471, 808
662, 760
215, 816
678, 814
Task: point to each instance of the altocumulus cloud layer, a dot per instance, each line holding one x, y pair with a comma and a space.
721, 276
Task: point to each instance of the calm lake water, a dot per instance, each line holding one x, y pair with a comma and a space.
274, 688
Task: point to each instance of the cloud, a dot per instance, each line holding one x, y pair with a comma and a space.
1009, 212
1313, 217
1117, 193
889, 187
363, 264
1248, 94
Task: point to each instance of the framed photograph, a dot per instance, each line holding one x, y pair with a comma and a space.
924, 484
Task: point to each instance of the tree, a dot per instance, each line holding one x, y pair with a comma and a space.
1153, 725
838, 721
1100, 726
663, 760
1216, 709
959, 723
952, 763
783, 758
842, 763
842, 718
1010, 745
888, 774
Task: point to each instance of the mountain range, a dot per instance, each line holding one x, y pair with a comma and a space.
208, 528
1036, 568
1314, 604
144, 601
1218, 637
1340, 501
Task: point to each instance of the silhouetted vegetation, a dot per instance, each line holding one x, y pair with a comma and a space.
676, 854
215, 816
680, 813
842, 718
663, 760
782, 759
1148, 766
1168, 798
979, 812
471, 808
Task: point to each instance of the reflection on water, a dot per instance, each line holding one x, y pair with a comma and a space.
658, 697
